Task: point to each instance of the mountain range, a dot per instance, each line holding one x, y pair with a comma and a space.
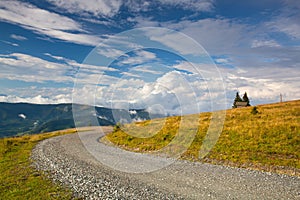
24, 118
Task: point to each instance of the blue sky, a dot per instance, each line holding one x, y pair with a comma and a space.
195, 52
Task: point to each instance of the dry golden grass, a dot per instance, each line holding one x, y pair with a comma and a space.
268, 140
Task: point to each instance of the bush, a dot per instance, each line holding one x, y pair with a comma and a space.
117, 127
254, 110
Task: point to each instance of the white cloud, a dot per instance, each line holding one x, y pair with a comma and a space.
234, 39
36, 18
138, 5
22, 116
140, 57
84, 39
129, 74
18, 37
28, 68
264, 43
114, 46
96, 8
288, 20
83, 67
266, 66
39, 99
263, 85
215, 35
202, 78
146, 69
186, 66
222, 61
196, 5
55, 57
132, 112
141, 22
109, 52
10, 43
44, 22
174, 93
289, 26
127, 83
191, 5
176, 41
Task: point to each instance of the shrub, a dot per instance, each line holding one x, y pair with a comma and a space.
117, 127
254, 110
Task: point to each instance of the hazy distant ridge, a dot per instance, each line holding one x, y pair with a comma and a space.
20, 118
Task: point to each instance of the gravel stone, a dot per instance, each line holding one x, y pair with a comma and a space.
66, 161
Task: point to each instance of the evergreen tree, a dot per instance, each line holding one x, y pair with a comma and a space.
237, 99
246, 99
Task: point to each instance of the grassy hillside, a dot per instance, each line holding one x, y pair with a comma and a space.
18, 180
268, 140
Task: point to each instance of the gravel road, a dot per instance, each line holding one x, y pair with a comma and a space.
69, 162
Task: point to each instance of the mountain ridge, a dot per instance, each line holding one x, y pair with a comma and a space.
27, 118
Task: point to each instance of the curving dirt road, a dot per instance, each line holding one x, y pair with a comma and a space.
69, 160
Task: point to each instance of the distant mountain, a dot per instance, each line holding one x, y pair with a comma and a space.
22, 118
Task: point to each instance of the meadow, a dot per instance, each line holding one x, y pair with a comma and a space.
267, 139
18, 179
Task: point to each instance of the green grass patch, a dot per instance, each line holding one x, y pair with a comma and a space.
18, 180
268, 139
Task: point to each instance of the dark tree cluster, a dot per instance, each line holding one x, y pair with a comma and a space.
241, 102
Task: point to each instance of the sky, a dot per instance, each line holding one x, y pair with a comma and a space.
167, 56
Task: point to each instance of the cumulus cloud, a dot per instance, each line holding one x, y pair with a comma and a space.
263, 85
179, 92
173, 92
266, 67
39, 99
263, 66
